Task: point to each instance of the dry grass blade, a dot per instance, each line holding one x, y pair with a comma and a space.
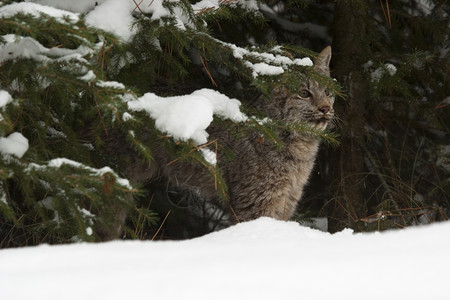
234, 213
205, 66
164, 221
137, 6
386, 13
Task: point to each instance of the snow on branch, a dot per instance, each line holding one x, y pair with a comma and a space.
59, 162
187, 117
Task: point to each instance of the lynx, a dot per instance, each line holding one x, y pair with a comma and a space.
262, 180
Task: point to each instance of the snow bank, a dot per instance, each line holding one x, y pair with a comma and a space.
262, 259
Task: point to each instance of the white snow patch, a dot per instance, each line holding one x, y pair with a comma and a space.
114, 16
35, 9
249, 5
186, 117
306, 61
5, 98
89, 231
261, 259
23, 48
205, 4
56, 133
111, 84
79, 6
264, 69
88, 77
269, 64
209, 156
58, 162
381, 71
15, 144
446, 100
27, 47
3, 199
126, 116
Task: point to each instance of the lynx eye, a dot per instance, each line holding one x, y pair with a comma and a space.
304, 94
328, 93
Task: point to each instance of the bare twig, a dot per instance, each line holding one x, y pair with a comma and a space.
232, 210
168, 213
386, 13
137, 6
205, 66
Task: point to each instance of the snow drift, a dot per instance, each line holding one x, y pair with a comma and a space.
262, 259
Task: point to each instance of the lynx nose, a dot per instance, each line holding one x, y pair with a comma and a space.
325, 109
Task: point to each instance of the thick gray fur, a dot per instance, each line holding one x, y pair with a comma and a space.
262, 180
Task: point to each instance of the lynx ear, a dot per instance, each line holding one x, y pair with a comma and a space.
322, 62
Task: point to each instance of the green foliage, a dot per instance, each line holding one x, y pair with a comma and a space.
46, 198
65, 102
70, 97
405, 81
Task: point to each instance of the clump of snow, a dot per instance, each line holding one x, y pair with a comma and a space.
56, 133
261, 259
111, 85
126, 116
187, 117
264, 69
79, 6
249, 5
5, 98
381, 71
113, 16
27, 47
88, 77
89, 231
3, 199
23, 48
269, 64
209, 156
205, 5
15, 144
116, 15
261, 122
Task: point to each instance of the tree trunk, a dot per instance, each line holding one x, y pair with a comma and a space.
350, 51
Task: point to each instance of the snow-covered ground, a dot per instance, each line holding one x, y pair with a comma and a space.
262, 259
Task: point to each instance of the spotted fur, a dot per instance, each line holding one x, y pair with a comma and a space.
262, 180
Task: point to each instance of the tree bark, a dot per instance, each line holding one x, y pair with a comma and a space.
350, 51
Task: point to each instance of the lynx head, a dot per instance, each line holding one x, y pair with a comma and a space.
314, 102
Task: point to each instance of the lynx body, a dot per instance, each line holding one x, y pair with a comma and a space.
262, 180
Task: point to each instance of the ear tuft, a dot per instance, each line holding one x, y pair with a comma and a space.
322, 62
